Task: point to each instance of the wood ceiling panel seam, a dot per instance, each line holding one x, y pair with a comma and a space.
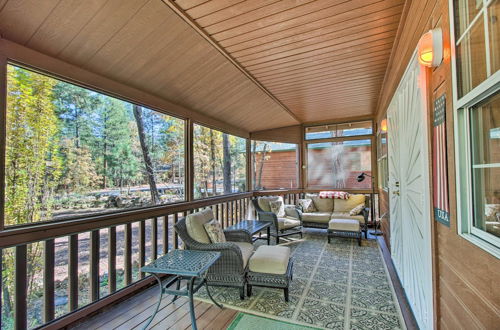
331, 77
265, 56
294, 89
124, 33
321, 51
81, 54
375, 60
51, 35
193, 12
272, 32
368, 86
218, 16
336, 100
272, 19
330, 57
193, 3
368, 57
319, 32
246, 19
178, 11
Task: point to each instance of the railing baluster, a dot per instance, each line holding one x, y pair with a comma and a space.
94, 265
48, 281
128, 254
142, 245
73, 272
165, 233
154, 242
21, 286
226, 213
176, 236
112, 259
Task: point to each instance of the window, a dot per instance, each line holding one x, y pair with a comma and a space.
338, 130
72, 152
337, 164
477, 115
274, 165
383, 166
219, 163
485, 148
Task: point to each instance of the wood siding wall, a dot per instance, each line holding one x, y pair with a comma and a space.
467, 294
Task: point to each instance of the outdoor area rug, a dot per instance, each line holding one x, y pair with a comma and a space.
251, 322
337, 286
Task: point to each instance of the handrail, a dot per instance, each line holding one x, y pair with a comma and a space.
14, 236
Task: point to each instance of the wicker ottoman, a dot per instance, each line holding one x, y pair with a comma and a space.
344, 228
270, 266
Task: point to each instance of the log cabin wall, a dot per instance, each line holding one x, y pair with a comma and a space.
466, 291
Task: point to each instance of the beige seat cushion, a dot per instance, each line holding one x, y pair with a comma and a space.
270, 259
246, 251
321, 217
344, 224
265, 200
322, 204
346, 205
287, 223
344, 215
195, 225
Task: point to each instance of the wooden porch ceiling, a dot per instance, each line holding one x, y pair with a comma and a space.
323, 59
254, 64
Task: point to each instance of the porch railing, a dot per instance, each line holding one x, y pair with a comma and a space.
102, 256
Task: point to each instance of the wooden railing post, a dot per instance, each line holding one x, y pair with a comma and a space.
48, 281
73, 273
165, 233
21, 287
128, 254
154, 242
94, 265
112, 259
142, 245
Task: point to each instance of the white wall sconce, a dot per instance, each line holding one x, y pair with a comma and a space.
430, 48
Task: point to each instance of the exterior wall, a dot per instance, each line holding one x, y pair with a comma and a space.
280, 170
467, 294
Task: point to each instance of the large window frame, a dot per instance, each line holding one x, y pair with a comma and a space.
188, 145
462, 107
373, 155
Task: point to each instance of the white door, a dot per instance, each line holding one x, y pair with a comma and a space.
410, 209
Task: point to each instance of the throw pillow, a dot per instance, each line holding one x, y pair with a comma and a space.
334, 194
307, 205
357, 210
278, 208
215, 232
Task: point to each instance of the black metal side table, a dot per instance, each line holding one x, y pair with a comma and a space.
184, 265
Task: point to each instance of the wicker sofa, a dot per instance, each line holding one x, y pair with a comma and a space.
327, 209
232, 267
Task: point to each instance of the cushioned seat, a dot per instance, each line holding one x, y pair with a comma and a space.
287, 223
344, 224
246, 251
270, 260
321, 217
346, 215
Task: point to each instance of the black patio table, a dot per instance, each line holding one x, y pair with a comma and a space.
253, 227
187, 265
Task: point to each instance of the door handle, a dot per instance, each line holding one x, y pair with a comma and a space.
396, 192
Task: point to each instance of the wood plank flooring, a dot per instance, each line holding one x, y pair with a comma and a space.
134, 312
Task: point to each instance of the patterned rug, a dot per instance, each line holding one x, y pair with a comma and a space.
337, 286
245, 321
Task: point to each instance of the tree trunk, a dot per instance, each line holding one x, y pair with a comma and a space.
261, 166
227, 164
212, 160
155, 196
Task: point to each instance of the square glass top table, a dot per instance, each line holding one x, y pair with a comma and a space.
187, 265
253, 227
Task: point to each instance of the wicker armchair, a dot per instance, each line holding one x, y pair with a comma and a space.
281, 227
231, 268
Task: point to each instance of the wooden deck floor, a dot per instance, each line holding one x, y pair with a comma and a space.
134, 312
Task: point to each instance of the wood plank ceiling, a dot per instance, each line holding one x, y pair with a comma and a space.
146, 45
323, 59
254, 64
